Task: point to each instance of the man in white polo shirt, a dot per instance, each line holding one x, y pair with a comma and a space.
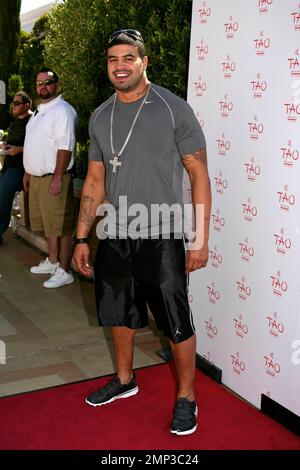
48, 161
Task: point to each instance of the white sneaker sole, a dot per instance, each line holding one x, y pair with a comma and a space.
130, 393
185, 433
33, 271
52, 286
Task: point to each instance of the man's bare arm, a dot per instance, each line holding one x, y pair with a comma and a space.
93, 194
86, 211
196, 166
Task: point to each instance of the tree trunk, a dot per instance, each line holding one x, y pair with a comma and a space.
9, 37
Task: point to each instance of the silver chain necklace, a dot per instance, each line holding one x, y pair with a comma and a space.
115, 162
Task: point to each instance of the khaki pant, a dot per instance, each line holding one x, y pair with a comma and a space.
55, 215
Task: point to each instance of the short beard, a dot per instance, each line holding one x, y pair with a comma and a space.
46, 96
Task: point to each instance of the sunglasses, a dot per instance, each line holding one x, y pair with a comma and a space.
46, 82
132, 33
17, 103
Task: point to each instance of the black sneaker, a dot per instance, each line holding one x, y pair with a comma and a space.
112, 391
184, 417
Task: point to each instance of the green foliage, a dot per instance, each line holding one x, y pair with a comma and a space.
41, 27
31, 53
169, 46
5, 135
72, 50
15, 84
81, 159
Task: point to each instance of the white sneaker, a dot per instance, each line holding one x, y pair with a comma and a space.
45, 267
59, 278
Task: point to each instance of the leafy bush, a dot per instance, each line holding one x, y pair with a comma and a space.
31, 54
15, 84
81, 160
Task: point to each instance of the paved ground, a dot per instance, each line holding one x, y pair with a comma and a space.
51, 336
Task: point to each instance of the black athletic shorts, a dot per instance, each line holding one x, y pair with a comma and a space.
131, 273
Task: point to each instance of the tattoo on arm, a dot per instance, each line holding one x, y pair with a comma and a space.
86, 210
200, 155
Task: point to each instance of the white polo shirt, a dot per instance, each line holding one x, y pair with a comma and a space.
52, 128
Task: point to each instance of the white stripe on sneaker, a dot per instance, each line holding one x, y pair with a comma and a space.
134, 391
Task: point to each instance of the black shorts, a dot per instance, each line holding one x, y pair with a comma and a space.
129, 274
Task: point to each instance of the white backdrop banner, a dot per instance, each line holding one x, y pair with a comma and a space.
244, 86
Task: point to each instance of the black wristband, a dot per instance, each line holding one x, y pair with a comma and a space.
78, 241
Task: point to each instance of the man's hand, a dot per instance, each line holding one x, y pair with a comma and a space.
81, 259
196, 259
55, 185
12, 150
26, 179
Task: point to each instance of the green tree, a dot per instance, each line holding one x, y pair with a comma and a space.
9, 36
168, 37
15, 84
72, 50
31, 53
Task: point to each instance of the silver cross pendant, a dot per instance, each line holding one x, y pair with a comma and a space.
115, 163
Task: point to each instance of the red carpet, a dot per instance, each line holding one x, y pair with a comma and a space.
58, 418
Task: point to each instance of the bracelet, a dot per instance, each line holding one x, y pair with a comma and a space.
78, 241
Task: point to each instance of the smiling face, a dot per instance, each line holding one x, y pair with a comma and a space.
126, 69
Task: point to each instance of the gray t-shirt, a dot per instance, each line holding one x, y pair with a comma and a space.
151, 170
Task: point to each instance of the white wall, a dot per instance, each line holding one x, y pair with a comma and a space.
244, 86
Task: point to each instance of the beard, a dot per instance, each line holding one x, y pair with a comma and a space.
45, 94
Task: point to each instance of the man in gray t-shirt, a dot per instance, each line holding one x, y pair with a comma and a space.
151, 167
141, 140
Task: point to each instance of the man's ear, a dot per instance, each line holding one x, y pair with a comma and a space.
145, 62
